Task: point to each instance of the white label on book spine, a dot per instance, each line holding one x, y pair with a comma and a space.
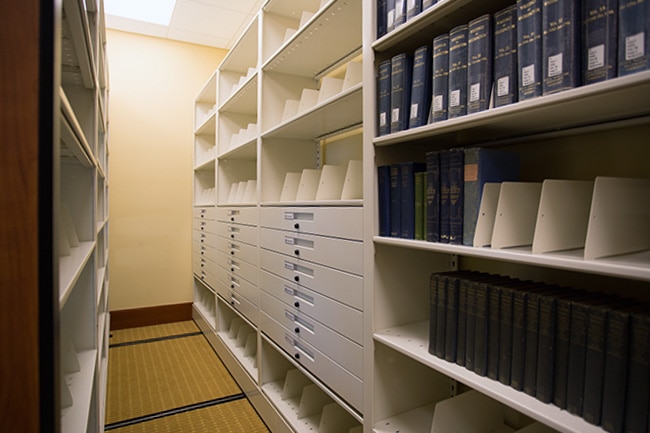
411, 4
382, 119
634, 46
454, 98
395, 115
596, 57
503, 86
437, 102
555, 65
414, 111
474, 92
399, 9
528, 75
391, 18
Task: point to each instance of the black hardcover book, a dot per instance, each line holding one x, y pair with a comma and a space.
633, 36
451, 319
444, 195
395, 200
407, 208
413, 8
599, 40
400, 12
470, 325
390, 15
479, 66
383, 98
561, 45
400, 92
440, 79
517, 363
482, 315
637, 398
433, 311
493, 348
529, 48
461, 334
421, 87
456, 195
506, 89
383, 196
441, 316
426, 4
506, 309
457, 72
433, 197
382, 17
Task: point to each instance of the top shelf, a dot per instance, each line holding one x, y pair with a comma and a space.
77, 58
596, 106
243, 55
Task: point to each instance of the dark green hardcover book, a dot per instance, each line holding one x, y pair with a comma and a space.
637, 400
451, 319
599, 40
383, 198
400, 91
529, 48
383, 98
479, 66
421, 87
408, 171
433, 311
419, 205
506, 89
440, 79
441, 316
633, 36
457, 72
444, 196
382, 16
561, 45
433, 197
456, 193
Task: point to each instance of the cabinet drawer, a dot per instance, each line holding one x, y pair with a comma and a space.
238, 232
238, 268
239, 250
242, 288
342, 254
204, 250
204, 213
341, 318
338, 285
344, 383
206, 226
340, 349
204, 238
343, 222
238, 215
246, 308
206, 272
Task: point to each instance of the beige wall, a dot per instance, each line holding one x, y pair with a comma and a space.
153, 83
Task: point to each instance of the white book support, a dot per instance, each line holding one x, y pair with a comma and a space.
487, 214
353, 185
516, 215
290, 109
312, 401
329, 87
619, 221
250, 193
288, 34
241, 191
308, 99
451, 416
563, 215
250, 349
251, 71
305, 17
353, 75
290, 187
64, 244
68, 225
334, 419
331, 182
308, 186
235, 324
233, 192
294, 383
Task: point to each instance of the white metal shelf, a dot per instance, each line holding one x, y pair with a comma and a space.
243, 99
71, 267
74, 145
246, 151
208, 126
77, 54
80, 384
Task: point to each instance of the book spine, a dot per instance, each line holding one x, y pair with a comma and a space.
546, 348
433, 197
461, 334
426, 4
400, 93
599, 40
615, 373
444, 196
383, 196
576, 364
400, 12
470, 326
471, 194
594, 364
479, 63
529, 48
481, 328
407, 207
419, 205
390, 15
519, 308
561, 359
413, 8
451, 319
637, 398
561, 45
456, 192
382, 16
433, 311
633, 36
421, 87
493, 348
383, 97
395, 200
457, 72
440, 79
532, 330
441, 316
505, 334
505, 57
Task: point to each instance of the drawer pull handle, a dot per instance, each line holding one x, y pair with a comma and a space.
232, 236
296, 252
232, 253
296, 279
297, 330
296, 226
232, 219
297, 356
296, 304
232, 286
232, 269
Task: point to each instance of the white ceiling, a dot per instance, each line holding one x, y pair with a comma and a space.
216, 23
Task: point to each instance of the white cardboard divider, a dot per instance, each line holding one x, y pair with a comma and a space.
241, 191
619, 221
64, 245
329, 87
242, 336
250, 349
312, 401
305, 17
563, 215
290, 186
331, 182
308, 186
68, 225
232, 196
290, 109
294, 383
536, 427
335, 419
514, 224
353, 185
250, 193
235, 324
288, 34
452, 415
251, 71
353, 75
487, 214
308, 99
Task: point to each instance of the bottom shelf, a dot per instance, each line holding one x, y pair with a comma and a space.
239, 336
78, 390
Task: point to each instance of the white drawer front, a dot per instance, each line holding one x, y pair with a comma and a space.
204, 213
238, 268
238, 232
239, 250
342, 254
204, 250
238, 215
204, 238
343, 222
242, 288
246, 308
206, 272
344, 383
206, 226
341, 318
340, 349
338, 285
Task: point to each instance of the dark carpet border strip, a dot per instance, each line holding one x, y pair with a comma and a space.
154, 340
147, 316
174, 411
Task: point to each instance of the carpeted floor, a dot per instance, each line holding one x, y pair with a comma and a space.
167, 378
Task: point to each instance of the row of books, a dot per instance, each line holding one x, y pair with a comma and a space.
438, 201
527, 50
393, 13
587, 353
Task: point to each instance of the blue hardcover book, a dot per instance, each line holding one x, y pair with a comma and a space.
382, 17
633, 36
456, 192
400, 92
421, 87
637, 391
479, 63
599, 42
407, 173
426, 4
395, 215
413, 8
505, 57
440, 79
529, 48
444, 196
481, 166
383, 196
433, 197
400, 12
383, 98
561, 45
457, 72
390, 15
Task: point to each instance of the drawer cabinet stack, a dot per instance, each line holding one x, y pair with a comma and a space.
311, 277
204, 251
